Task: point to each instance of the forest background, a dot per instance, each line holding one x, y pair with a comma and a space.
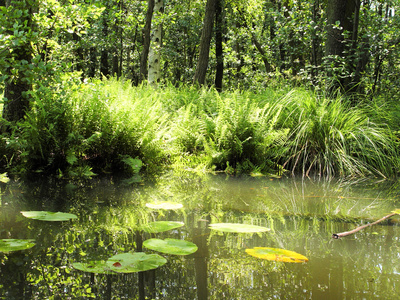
259, 87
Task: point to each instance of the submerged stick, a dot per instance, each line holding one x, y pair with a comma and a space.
342, 234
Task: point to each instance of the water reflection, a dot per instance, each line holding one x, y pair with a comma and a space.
302, 215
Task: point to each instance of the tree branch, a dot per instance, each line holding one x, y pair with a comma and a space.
342, 234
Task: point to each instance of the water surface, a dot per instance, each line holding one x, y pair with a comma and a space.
301, 213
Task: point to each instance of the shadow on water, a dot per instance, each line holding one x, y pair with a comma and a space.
301, 213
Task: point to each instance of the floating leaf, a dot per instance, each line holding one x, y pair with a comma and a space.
164, 205
171, 246
134, 262
48, 215
277, 254
8, 245
97, 266
161, 226
239, 228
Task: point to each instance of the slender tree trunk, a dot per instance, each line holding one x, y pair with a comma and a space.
315, 43
206, 34
219, 53
154, 75
104, 65
79, 59
146, 41
92, 62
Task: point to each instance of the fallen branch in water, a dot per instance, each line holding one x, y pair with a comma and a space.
342, 234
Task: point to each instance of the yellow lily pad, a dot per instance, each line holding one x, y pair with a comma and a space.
276, 254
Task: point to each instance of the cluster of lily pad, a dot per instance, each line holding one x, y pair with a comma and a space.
140, 261
131, 262
10, 245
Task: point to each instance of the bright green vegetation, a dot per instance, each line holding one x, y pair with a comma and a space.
78, 130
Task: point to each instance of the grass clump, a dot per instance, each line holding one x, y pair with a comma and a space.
331, 137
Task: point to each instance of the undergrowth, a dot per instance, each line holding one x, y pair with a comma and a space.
79, 130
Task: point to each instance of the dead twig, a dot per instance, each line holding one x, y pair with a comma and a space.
342, 234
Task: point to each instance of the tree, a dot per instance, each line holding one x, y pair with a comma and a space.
219, 53
18, 25
206, 34
154, 75
146, 40
342, 28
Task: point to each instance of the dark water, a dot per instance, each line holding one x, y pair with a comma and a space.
302, 215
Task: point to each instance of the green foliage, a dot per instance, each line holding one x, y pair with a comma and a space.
78, 129
330, 137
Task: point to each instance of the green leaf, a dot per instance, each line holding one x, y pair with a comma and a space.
4, 178
134, 262
277, 254
48, 215
97, 266
8, 245
396, 211
171, 246
164, 205
239, 228
161, 226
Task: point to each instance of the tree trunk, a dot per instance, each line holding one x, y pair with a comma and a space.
104, 65
16, 97
219, 53
206, 34
154, 75
146, 41
340, 12
92, 62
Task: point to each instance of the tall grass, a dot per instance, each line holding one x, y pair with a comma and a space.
331, 137
77, 130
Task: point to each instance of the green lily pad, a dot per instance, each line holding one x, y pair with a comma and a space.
171, 246
236, 227
9, 245
48, 215
164, 205
134, 262
98, 267
161, 226
277, 254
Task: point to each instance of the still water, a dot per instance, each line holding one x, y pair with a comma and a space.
301, 213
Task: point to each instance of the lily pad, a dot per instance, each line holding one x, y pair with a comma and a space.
9, 245
134, 262
161, 226
164, 205
48, 215
277, 254
239, 228
171, 246
98, 267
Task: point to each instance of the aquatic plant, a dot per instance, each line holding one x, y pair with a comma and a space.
277, 254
